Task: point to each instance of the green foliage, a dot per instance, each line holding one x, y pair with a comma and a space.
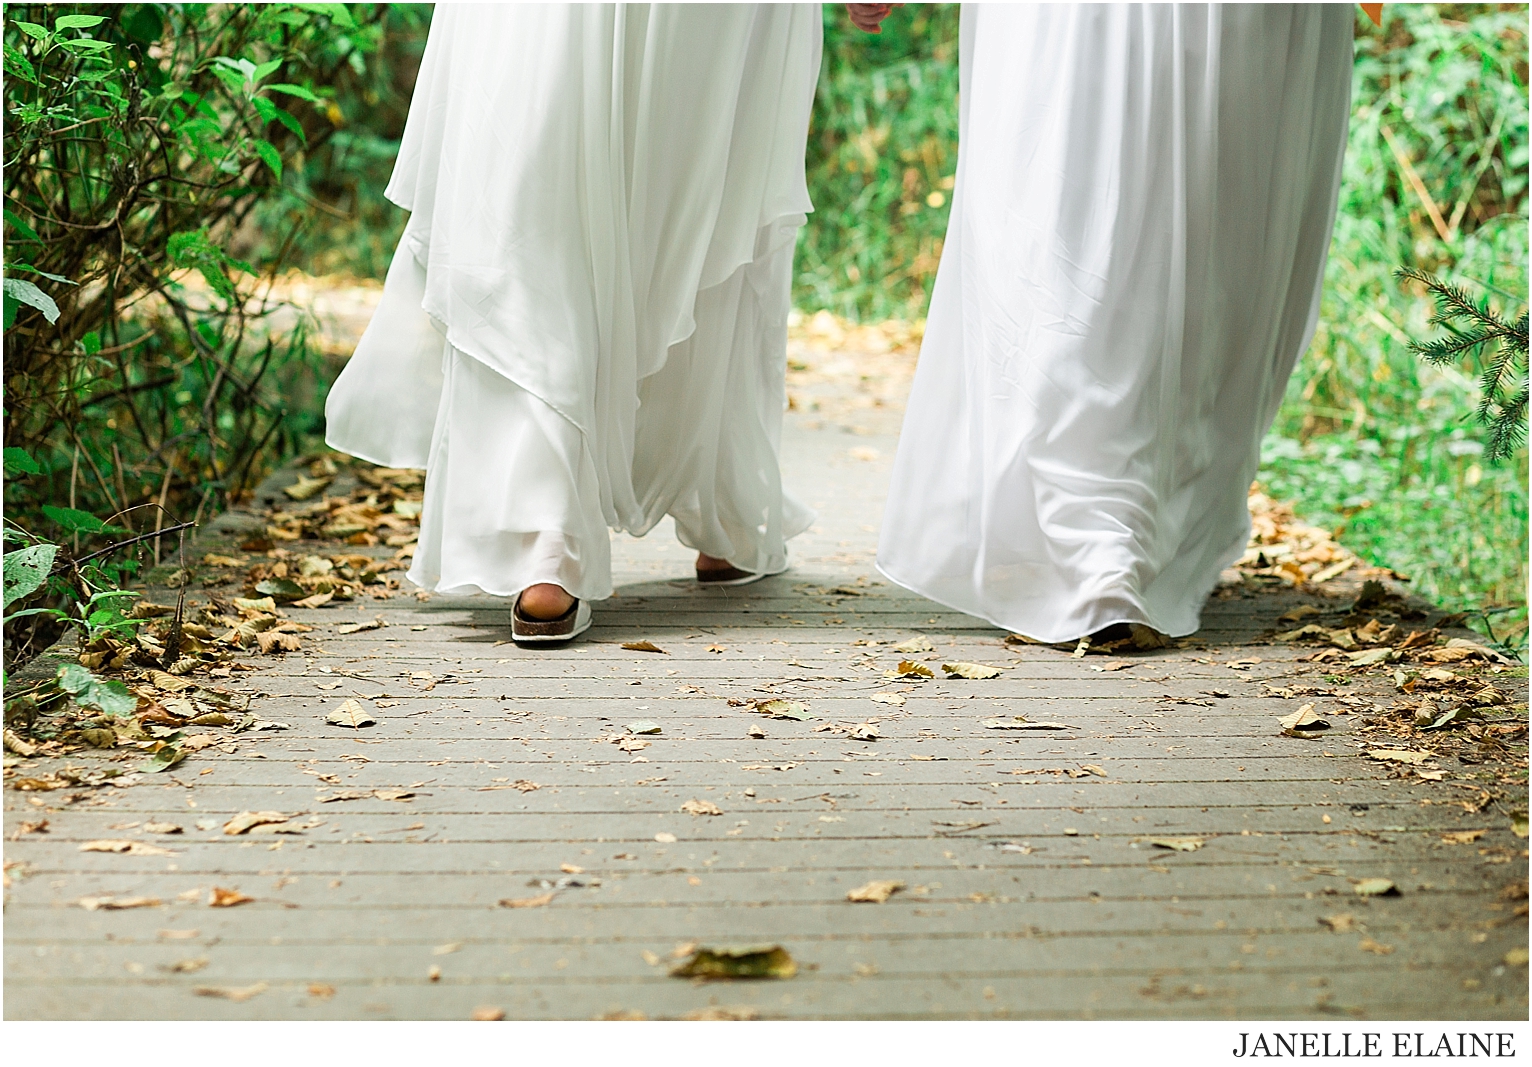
26, 570
1500, 349
882, 156
145, 371
88, 691
1370, 438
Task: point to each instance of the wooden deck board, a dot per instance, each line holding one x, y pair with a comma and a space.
1093, 922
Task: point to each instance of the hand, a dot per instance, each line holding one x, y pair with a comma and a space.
869, 17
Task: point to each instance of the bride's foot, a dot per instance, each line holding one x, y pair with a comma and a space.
706, 562
545, 601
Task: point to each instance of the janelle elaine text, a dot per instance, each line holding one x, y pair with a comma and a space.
1350, 1045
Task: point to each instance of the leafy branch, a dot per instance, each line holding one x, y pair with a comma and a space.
1475, 330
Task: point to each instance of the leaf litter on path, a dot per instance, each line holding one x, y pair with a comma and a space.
1021, 722
964, 669
644, 646
784, 709
236, 994
351, 715
1178, 844
737, 962
875, 892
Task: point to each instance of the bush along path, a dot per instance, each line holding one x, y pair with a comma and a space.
335, 796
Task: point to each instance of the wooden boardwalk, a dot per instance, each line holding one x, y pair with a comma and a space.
1031, 888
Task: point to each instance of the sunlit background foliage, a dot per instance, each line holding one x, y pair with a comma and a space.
164, 161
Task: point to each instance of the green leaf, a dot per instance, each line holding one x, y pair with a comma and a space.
19, 66
270, 156
33, 270
336, 13
26, 569
90, 344
74, 679
20, 461
264, 69
111, 697
34, 31
293, 90
30, 295
74, 521
83, 45
77, 22
193, 249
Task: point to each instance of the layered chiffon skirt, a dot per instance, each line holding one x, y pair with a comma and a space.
584, 326
1142, 209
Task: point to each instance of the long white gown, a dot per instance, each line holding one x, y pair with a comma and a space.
584, 325
1143, 205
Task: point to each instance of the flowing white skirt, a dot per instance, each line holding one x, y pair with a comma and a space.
585, 324
1143, 205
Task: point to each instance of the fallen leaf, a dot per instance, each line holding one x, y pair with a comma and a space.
742, 961
1178, 844
919, 643
235, 994
1021, 722
271, 642
352, 715
1115, 665
1300, 612
357, 627
701, 807
1093, 769
644, 646
318, 600
948, 829
132, 848
283, 589
664, 837
1463, 837
227, 898
896, 699
570, 868
1305, 718
1375, 887
755, 730
784, 709
190, 966
643, 726
909, 669
865, 731
487, 1013
527, 902
1398, 755
1339, 924
119, 903
322, 990
305, 487
247, 820
964, 669
1367, 944
874, 892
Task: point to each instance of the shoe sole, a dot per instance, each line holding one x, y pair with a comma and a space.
553, 639
746, 580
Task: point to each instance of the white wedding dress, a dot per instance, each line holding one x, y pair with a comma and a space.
584, 326
1143, 205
